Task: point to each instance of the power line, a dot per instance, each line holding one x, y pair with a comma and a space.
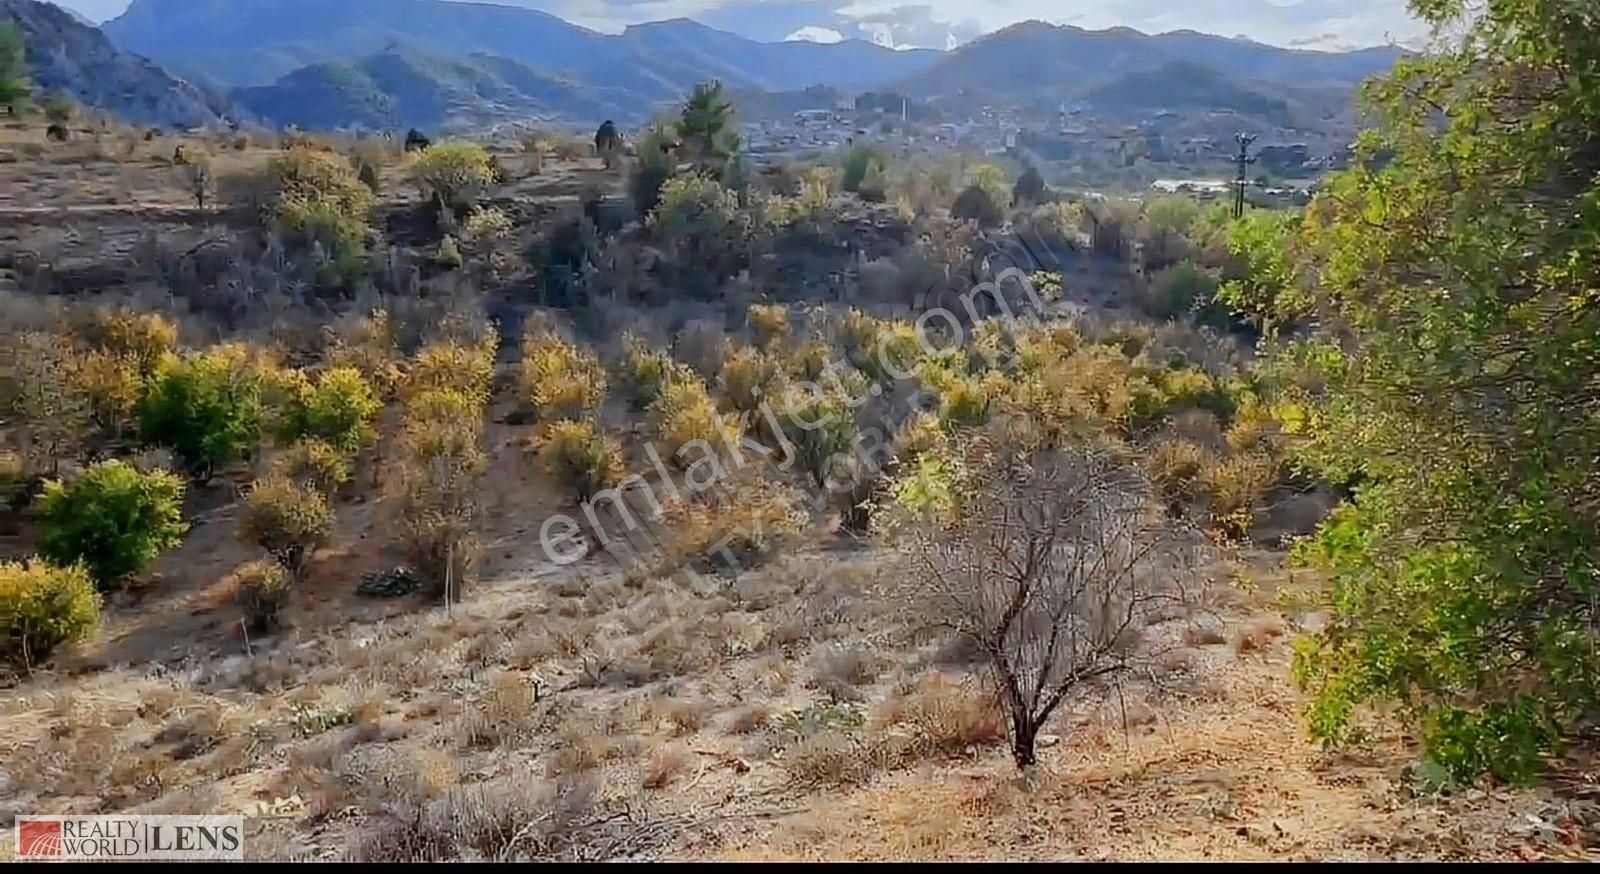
1245, 160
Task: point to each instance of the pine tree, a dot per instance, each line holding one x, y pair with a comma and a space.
14, 84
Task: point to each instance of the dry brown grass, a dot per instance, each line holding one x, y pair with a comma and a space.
666, 764
1230, 778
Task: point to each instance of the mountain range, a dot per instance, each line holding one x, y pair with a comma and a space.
67, 53
430, 64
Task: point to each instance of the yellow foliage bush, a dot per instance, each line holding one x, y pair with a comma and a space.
453, 366
110, 384
285, 518
42, 607
769, 323
368, 345
442, 423
1175, 466
645, 371
454, 174
262, 591
749, 518
1236, 487
685, 414
581, 458
486, 224
320, 198
314, 463
559, 379
809, 360
141, 337
750, 377
921, 435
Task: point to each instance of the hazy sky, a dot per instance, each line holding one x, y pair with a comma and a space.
940, 23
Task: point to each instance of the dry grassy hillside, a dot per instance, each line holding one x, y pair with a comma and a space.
648, 702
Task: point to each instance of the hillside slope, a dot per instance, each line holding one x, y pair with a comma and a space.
65, 53
399, 89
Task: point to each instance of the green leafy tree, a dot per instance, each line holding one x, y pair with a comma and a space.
1261, 286
1455, 389
336, 408
206, 407
114, 520
1166, 225
14, 85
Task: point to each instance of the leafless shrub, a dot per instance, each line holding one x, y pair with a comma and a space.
505, 819
664, 766
829, 758
1204, 634
837, 671
1051, 568
703, 346
939, 716
748, 720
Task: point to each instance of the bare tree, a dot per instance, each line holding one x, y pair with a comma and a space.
198, 179
1051, 571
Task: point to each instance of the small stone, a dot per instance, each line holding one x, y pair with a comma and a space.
1046, 741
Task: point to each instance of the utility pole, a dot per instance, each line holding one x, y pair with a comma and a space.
1245, 160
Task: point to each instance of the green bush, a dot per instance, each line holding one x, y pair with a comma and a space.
819, 428
337, 408
42, 607
1180, 290
856, 164
114, 519
698, 212
319, 198
207, 408
974, 204
287, 519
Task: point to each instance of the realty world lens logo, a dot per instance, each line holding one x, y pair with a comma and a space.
145, 838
